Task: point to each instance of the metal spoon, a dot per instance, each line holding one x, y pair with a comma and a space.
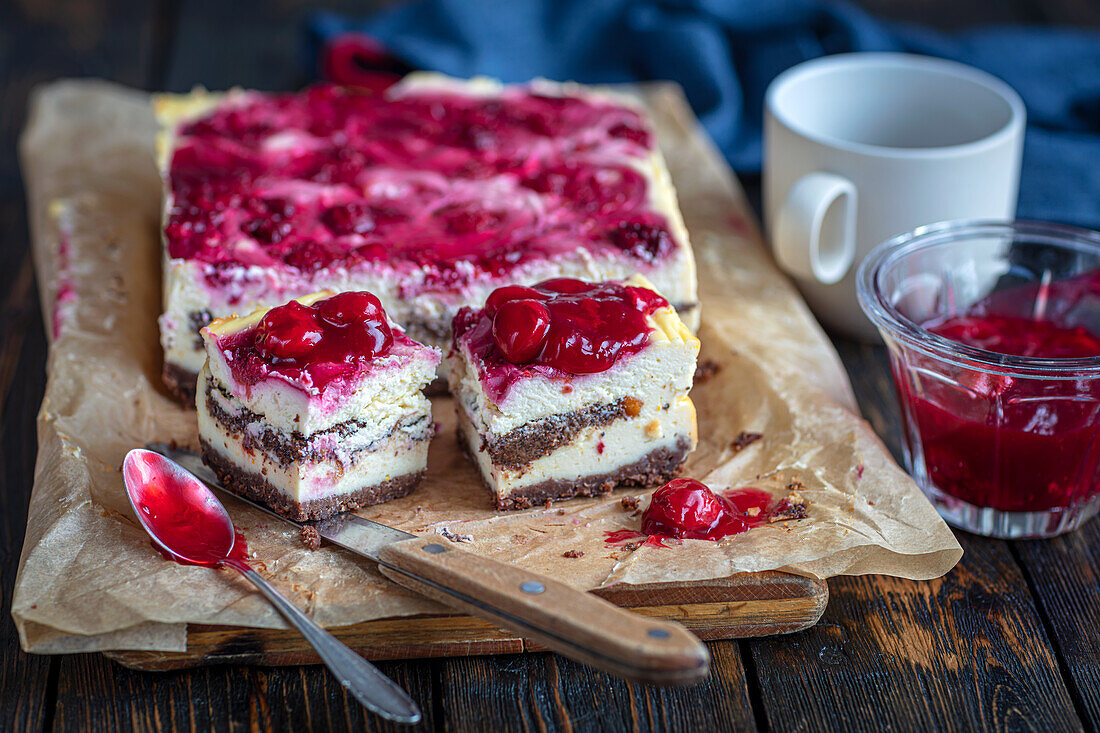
184, 518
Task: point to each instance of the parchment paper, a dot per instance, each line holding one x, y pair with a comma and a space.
89, 578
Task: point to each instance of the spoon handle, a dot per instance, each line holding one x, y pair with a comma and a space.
374, 690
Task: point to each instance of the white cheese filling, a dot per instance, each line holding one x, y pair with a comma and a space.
595, 451
371, 455
391, 388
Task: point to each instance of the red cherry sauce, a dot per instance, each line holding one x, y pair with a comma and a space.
65, 299
1012, 443
558, 329
687, 509
315, 345
239, 553
455, 187
359, 60
179, 511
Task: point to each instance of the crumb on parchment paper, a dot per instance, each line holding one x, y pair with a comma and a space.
310, 536
794, 506
743, 440
572, 553
705, 369
454, 537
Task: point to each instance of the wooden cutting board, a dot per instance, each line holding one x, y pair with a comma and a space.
748, 604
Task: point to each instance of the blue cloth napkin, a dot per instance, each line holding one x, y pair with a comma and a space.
725, 52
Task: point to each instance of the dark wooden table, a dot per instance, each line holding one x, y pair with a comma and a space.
1010, 639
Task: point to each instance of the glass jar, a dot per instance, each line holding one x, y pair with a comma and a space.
1004, 445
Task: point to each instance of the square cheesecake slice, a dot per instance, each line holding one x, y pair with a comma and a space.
570, 388
315, 407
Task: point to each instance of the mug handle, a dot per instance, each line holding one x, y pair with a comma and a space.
814, 237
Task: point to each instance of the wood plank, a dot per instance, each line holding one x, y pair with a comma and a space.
25, 681
723, 608
548, 693
25, 700
964, 652
42, 41
1064, 575
96, 691
402, 638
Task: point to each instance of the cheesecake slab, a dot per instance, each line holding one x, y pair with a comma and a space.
429, 196
571, 388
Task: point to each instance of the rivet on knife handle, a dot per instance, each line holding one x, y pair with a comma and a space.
571, 622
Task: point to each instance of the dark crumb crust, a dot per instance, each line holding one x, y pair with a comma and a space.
532, 441
295, 448
653, 469
255, 487
182, 383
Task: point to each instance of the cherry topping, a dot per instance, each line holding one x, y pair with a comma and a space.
565, 285
464, 188
278, 208
687, 509
564, 327
629, 132
683, 506
288, 332
511, 292
343, 309
350, 218
363, 311
310, 346
309, 255
268, 231
648, 242
468, 220
520, 328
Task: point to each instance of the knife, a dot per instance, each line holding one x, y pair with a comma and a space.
572, 623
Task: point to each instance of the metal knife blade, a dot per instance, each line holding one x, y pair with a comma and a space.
361, 536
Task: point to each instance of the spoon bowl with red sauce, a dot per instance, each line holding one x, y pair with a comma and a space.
189, 525
993, 330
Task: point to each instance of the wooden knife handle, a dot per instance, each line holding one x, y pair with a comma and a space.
571, 622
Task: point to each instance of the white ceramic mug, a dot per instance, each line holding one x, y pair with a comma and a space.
861, 147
